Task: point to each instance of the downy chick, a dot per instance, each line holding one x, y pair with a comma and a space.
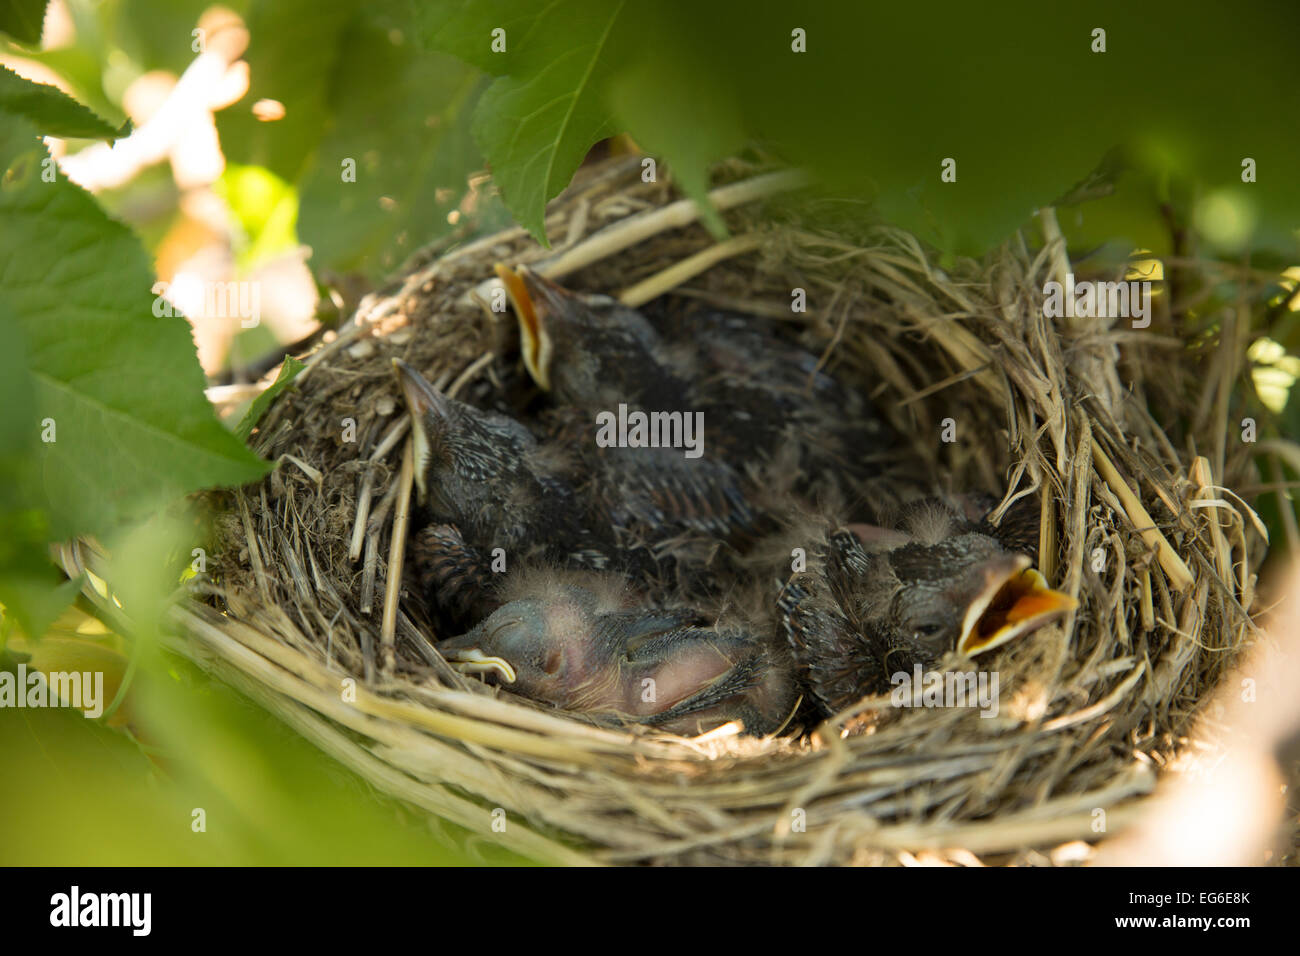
936, 584
484, 482
593, 356
585, 651
766, 404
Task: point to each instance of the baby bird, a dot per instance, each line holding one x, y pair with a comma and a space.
582, 650
594, 355
651, 494
836, 659
768, 409
589, 350
485, 483
937, 584
769, 395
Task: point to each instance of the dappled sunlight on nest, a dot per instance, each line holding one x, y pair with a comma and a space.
1070, 413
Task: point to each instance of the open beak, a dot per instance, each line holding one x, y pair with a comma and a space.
534, 299
423, 401
1014, 601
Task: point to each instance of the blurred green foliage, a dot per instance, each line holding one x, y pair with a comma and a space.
1015, 94
22, 19
116, 396
266, 208
79, 793
375, 135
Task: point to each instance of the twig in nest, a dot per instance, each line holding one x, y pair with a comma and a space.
1179, 575
305, 468
688, 268
636, 229
386, 444
372, 528
396, 553
369, 570
363, 512
467, 376
254, 553
1200, 474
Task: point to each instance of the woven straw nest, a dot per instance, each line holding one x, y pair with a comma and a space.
1101, 425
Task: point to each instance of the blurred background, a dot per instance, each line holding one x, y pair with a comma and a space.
184, 770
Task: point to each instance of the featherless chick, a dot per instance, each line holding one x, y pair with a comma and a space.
584, 648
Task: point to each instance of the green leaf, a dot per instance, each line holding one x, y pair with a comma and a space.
651, 97
467, 28
23, 20
9, 660
292, 53
50, 110
16, 399
882, 100
118, 393
31, 590
537, 122
35, 593
288, 372
404, 133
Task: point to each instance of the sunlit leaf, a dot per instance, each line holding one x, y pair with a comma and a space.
51, 111
118, 397
266, 208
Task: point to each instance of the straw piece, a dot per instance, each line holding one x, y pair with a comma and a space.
688, 268
363, 514
396, 554
1201, 476
635, 229
1179, 575
1046, 532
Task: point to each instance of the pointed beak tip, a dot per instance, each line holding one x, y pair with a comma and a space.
406, 375
419, 395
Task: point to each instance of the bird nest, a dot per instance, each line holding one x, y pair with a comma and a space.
308, 604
